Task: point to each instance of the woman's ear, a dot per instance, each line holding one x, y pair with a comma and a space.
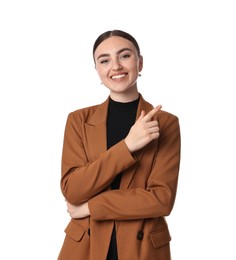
140, 67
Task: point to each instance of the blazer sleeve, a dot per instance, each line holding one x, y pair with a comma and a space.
157, 199
82, 179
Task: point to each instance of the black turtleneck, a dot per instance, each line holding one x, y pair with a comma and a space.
121, 116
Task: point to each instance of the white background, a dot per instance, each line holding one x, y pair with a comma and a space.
46, 71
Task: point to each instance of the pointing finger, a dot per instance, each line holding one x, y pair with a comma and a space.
153, 112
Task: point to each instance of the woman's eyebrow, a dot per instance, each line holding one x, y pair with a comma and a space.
103, 55
118, 52
124, 49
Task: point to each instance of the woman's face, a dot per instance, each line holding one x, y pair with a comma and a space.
118, 65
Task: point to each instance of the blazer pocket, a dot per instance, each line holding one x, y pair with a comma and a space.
160, 237
75, 231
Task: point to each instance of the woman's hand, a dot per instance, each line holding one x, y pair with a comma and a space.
143, 131
80, 211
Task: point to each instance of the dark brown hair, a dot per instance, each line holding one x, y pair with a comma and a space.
120, 33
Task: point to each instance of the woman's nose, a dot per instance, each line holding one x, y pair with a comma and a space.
117, 66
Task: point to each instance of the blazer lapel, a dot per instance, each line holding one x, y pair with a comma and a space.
96, 131
129, 173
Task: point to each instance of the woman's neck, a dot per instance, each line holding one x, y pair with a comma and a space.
125, 97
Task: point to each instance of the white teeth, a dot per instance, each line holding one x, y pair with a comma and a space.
118, 76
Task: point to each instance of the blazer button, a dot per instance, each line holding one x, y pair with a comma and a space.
89, 231
140, 235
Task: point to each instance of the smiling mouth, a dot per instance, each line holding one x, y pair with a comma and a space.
120, 76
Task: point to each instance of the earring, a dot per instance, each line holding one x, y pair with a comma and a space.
139, 75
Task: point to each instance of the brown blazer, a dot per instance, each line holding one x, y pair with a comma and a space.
146, 195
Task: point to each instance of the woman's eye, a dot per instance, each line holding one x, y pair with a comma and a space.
125, 56
104, 61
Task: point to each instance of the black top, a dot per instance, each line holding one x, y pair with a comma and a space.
121, 116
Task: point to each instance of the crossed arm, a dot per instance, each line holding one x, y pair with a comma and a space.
141, 133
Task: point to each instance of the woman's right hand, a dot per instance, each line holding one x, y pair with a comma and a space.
80, 211
143, 131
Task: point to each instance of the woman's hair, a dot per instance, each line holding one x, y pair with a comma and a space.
120, 33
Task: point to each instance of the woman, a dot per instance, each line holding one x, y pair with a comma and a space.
120, 165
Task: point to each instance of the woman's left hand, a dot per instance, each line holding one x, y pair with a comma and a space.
80, 211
